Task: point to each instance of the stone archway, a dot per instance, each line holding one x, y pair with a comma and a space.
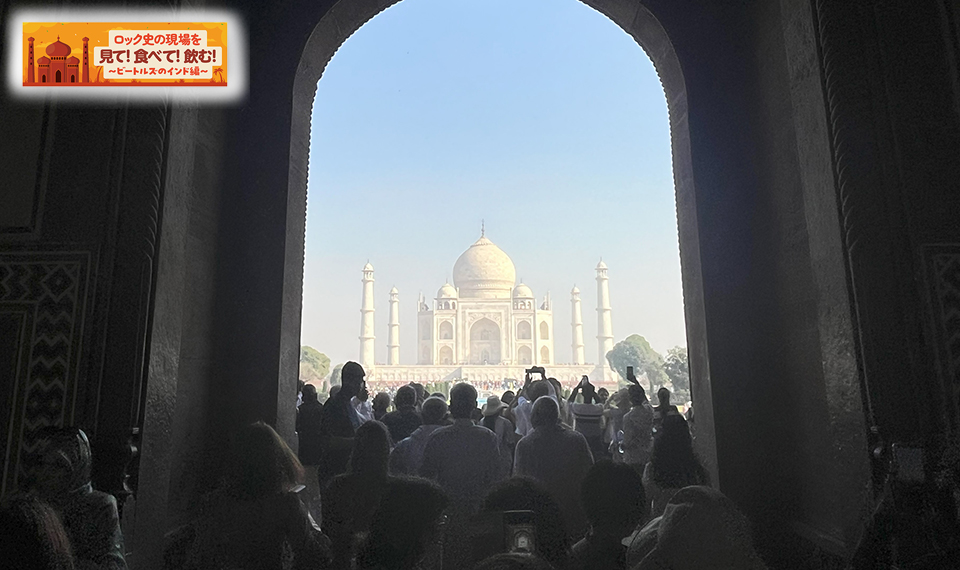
347, 16
744, 127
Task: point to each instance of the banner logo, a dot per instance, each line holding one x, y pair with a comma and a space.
128, 54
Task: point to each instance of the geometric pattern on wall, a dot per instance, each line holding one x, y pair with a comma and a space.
53, 287
943, 263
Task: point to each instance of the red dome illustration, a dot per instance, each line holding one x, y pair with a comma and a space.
44, 59
58, 49
72, 59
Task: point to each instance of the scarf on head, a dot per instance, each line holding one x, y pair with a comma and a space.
71, 449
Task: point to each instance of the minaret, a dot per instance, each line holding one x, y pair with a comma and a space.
85, 74
393, 333
604, 323
577, 324
30, 77
366, 320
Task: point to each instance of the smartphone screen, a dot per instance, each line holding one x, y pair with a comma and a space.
520, 530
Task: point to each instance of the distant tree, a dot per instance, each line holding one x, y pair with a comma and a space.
314, 365
677, 368
636, 351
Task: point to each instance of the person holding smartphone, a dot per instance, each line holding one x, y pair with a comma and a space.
588, 415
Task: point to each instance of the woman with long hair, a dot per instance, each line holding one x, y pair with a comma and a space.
256, 520
351, 499
32, 536
673, 464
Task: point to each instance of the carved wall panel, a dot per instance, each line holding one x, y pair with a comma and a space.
46, 294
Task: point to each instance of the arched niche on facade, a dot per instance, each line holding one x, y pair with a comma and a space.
446, 330
544, 355
544, 331
524, 331
524, 355
446, 355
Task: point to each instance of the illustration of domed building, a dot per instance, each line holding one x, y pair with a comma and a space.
58, 67
485, 326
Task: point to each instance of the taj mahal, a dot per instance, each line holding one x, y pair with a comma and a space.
485, 327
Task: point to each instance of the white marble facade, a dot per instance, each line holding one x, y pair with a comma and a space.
483, 323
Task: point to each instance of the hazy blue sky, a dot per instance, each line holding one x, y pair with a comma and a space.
541, 117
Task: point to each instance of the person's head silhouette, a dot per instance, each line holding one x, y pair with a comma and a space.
351, 379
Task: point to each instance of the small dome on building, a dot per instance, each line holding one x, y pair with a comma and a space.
448, 291
368, 267
575, 290
72, 59
44, 59
522, 291
394, 291
601, 265
58, 49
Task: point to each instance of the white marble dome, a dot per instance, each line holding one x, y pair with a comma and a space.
522, 292
484, 271
447, 291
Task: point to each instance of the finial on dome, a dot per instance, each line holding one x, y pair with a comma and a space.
482, 229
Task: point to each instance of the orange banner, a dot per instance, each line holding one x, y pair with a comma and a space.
99, 54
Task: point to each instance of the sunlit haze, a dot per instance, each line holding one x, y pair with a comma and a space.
540, 117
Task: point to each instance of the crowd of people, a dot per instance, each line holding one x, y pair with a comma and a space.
533, 479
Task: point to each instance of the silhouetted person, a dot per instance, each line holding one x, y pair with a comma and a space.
381, 405
638, 429
464, 459
526, 494
613, 498
673, 464
602, 395
700, 528
615, 408
508, 399
339, 422
406, 527
351, 499
364, 406
421, 393
406, 457
506, 437
558, 458
664, 408
255, 520
530, 393
309, 449
588, 415
32, 536
402, 421
89, 517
